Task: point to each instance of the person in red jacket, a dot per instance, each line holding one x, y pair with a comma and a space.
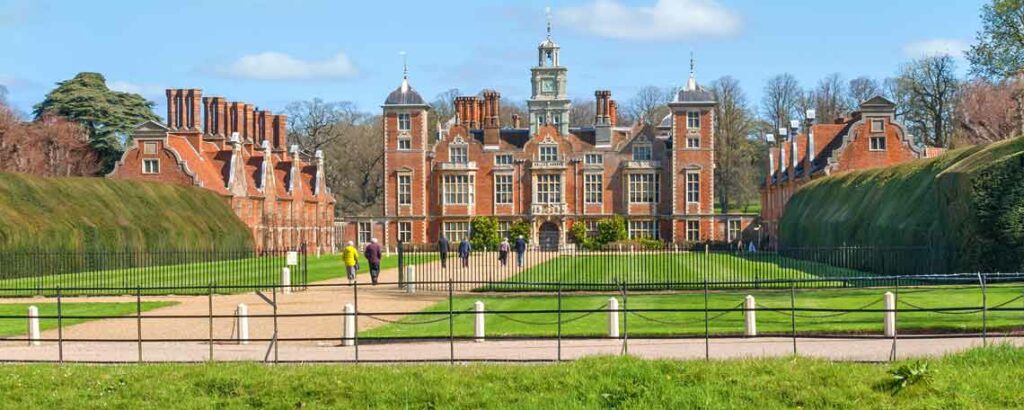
372, 254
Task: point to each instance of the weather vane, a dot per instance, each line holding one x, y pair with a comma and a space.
405, 64
547, 11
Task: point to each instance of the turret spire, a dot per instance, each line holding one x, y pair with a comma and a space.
547, 11
405, 71
691, 84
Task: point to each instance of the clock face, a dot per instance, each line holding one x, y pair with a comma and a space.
547, 85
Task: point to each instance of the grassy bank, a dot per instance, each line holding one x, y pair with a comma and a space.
975, 379
967, 201
722, 323
17, 326
101, 214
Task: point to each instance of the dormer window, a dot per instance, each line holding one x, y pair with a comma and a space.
548, 153
642, 152
503, 159
151, 166
593, 159
458, 154
692, 120
878, 142
149, 148
404, 122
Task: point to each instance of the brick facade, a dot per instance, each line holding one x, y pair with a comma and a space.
870, 138
241, 154
539, 172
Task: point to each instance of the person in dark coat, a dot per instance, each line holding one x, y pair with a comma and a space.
442, 250
373, 256
520, 250
464, 249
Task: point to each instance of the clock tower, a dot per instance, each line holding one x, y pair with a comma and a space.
549, 103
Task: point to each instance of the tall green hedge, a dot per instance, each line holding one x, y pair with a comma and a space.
968, 201
100, 214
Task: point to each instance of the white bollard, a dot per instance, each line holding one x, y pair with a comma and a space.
613, 318
750, 316
478, 328
33, 326
349, 325
286, 280
410, 279
243, 324
890, 314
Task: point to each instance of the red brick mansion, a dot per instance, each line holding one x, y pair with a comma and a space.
540, 170
242, 154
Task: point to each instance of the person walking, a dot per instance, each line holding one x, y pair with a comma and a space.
503, 249
373, 255
442, 250
464, 249
350, 257
520, 250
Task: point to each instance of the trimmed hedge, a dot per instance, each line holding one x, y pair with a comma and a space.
969, 201
100, 214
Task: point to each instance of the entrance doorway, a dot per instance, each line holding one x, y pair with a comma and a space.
548, 236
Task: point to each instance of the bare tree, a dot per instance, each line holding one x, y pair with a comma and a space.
49, 146
782, 100
442, 110
829, 98
649, 105
354, 168
316, 124
861, 89
931, 87
986, 111
582, 113
736, 173
508, 108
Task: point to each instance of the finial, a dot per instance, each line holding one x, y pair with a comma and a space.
547, 11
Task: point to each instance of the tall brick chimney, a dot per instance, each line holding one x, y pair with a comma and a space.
602, 125
613, 112
515, 120
491, 123
280, 134
183, 109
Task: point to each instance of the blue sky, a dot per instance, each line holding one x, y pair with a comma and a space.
272, 52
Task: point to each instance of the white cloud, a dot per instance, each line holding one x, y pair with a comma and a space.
935, 47
149, 91
665, 20
279, 66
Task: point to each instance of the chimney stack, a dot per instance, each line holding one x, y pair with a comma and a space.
515, 120
280, 131
491, 124
183, 109
602, 110
613, 113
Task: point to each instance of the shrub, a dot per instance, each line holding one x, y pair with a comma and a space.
519, 228
611, 230
484, 233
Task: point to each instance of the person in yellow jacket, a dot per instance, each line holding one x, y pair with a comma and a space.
350, 256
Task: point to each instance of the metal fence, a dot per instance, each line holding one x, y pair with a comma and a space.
803, 323
122, 272
673, 267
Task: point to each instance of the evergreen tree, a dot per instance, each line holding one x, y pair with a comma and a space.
107, 116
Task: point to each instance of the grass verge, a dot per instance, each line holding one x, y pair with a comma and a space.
974, 379
10, 326
723, 323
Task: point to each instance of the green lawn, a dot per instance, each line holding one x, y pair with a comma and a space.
18, 326
981, 378
247, 271
677, 267
748, 208
721, 323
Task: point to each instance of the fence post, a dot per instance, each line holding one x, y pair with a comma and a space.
33, 326
60, 326
890, 314
286, 280
210, 311
349, 334
410, 279
984, 309
613, 318
138, 319
478, 326
750, 316
243, 323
